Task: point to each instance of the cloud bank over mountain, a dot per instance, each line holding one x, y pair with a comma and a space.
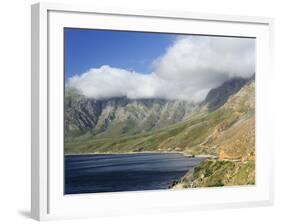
190, 67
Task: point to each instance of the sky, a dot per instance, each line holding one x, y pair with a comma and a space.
88, 48
102, 64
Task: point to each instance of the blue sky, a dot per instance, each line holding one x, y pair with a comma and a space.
133, 51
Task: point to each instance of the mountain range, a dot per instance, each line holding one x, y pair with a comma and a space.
120, 115
103, 125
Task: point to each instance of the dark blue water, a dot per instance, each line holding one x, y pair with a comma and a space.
124, 172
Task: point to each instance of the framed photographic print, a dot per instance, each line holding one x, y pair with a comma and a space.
146, 111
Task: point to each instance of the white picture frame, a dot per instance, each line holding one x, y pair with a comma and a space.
47, 199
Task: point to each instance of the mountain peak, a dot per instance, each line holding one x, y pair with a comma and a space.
218, 96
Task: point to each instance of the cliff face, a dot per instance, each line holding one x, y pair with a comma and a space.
120, 116
218, 96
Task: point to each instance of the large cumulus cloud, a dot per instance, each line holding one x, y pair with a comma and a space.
191, 66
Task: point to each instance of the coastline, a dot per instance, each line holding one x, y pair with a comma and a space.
144, 152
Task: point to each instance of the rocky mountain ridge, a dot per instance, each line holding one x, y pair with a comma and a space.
196, 131
119, 115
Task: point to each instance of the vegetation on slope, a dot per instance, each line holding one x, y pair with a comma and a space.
183, 136
215, 173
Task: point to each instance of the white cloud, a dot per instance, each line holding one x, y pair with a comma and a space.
188, 70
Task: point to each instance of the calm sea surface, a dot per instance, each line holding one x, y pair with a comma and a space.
124, 172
